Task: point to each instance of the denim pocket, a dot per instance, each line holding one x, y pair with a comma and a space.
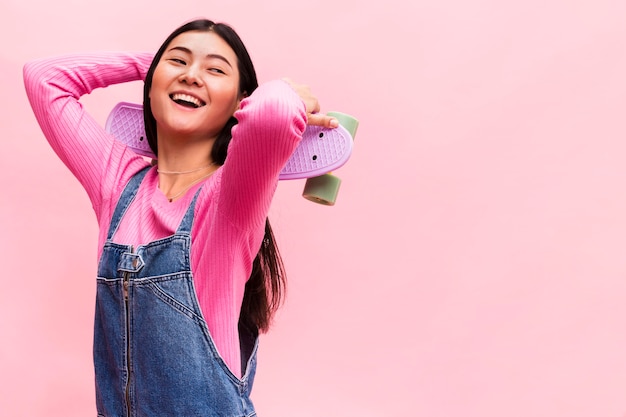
177, 294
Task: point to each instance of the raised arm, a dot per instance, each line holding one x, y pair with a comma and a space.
270, 126
54, 86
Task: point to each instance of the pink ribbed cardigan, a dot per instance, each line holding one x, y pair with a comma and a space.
232, 206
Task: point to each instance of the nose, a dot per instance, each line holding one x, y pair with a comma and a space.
191, 75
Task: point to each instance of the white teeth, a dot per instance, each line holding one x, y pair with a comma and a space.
187, 98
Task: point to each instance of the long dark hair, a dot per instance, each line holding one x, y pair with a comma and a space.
264, 291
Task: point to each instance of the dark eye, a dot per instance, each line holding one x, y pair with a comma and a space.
178, 61
219, 71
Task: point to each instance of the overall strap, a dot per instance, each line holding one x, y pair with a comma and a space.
187, 222
128, 195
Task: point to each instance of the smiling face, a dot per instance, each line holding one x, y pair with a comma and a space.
195, 86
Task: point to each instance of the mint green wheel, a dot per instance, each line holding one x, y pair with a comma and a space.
322, 189
348, 122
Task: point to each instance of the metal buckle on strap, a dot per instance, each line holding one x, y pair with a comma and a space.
130, 262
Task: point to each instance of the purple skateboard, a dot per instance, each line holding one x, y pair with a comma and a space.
321, 150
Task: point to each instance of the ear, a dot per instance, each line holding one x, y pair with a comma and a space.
241, 97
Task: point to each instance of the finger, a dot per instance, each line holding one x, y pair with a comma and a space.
313, 106
319, 119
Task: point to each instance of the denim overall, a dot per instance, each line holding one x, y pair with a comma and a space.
153, 353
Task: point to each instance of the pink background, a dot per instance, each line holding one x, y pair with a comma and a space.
474, 263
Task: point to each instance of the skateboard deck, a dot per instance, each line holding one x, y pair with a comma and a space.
321, 150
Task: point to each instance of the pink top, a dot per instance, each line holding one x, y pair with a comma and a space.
232, 207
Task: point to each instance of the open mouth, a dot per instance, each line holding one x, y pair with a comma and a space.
187, 100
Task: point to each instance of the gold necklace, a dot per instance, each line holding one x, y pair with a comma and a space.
172, 198
185, 172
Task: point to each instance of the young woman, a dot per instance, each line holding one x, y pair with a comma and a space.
188, 270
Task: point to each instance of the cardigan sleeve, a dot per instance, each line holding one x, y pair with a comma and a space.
54, 87
270, 126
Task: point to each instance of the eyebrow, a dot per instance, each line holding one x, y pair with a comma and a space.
188, 51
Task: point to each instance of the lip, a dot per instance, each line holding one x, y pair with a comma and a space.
197, 97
